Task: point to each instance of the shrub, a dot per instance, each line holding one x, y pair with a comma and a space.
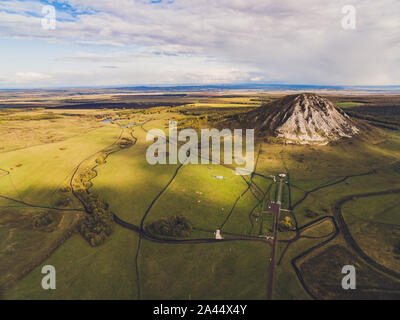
175, 226
311, 214
63, 201
96, 226
125, 143
285, 225
101, 159
65, 189
42, 220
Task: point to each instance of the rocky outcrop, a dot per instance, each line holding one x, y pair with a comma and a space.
302, 119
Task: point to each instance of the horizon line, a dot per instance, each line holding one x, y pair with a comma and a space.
209, 85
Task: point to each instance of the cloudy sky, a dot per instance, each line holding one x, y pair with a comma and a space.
163, 42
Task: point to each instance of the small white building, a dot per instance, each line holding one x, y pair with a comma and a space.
218, 235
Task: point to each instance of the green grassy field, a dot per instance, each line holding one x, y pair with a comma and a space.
133, 264
83, 272
225, 271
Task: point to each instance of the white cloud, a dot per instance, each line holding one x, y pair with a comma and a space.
283, 41
27, 78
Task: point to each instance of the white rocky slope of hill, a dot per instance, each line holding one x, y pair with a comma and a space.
303, 119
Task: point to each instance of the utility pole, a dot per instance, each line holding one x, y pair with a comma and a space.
275, 208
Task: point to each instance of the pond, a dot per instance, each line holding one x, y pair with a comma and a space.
113, 120
129, 125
